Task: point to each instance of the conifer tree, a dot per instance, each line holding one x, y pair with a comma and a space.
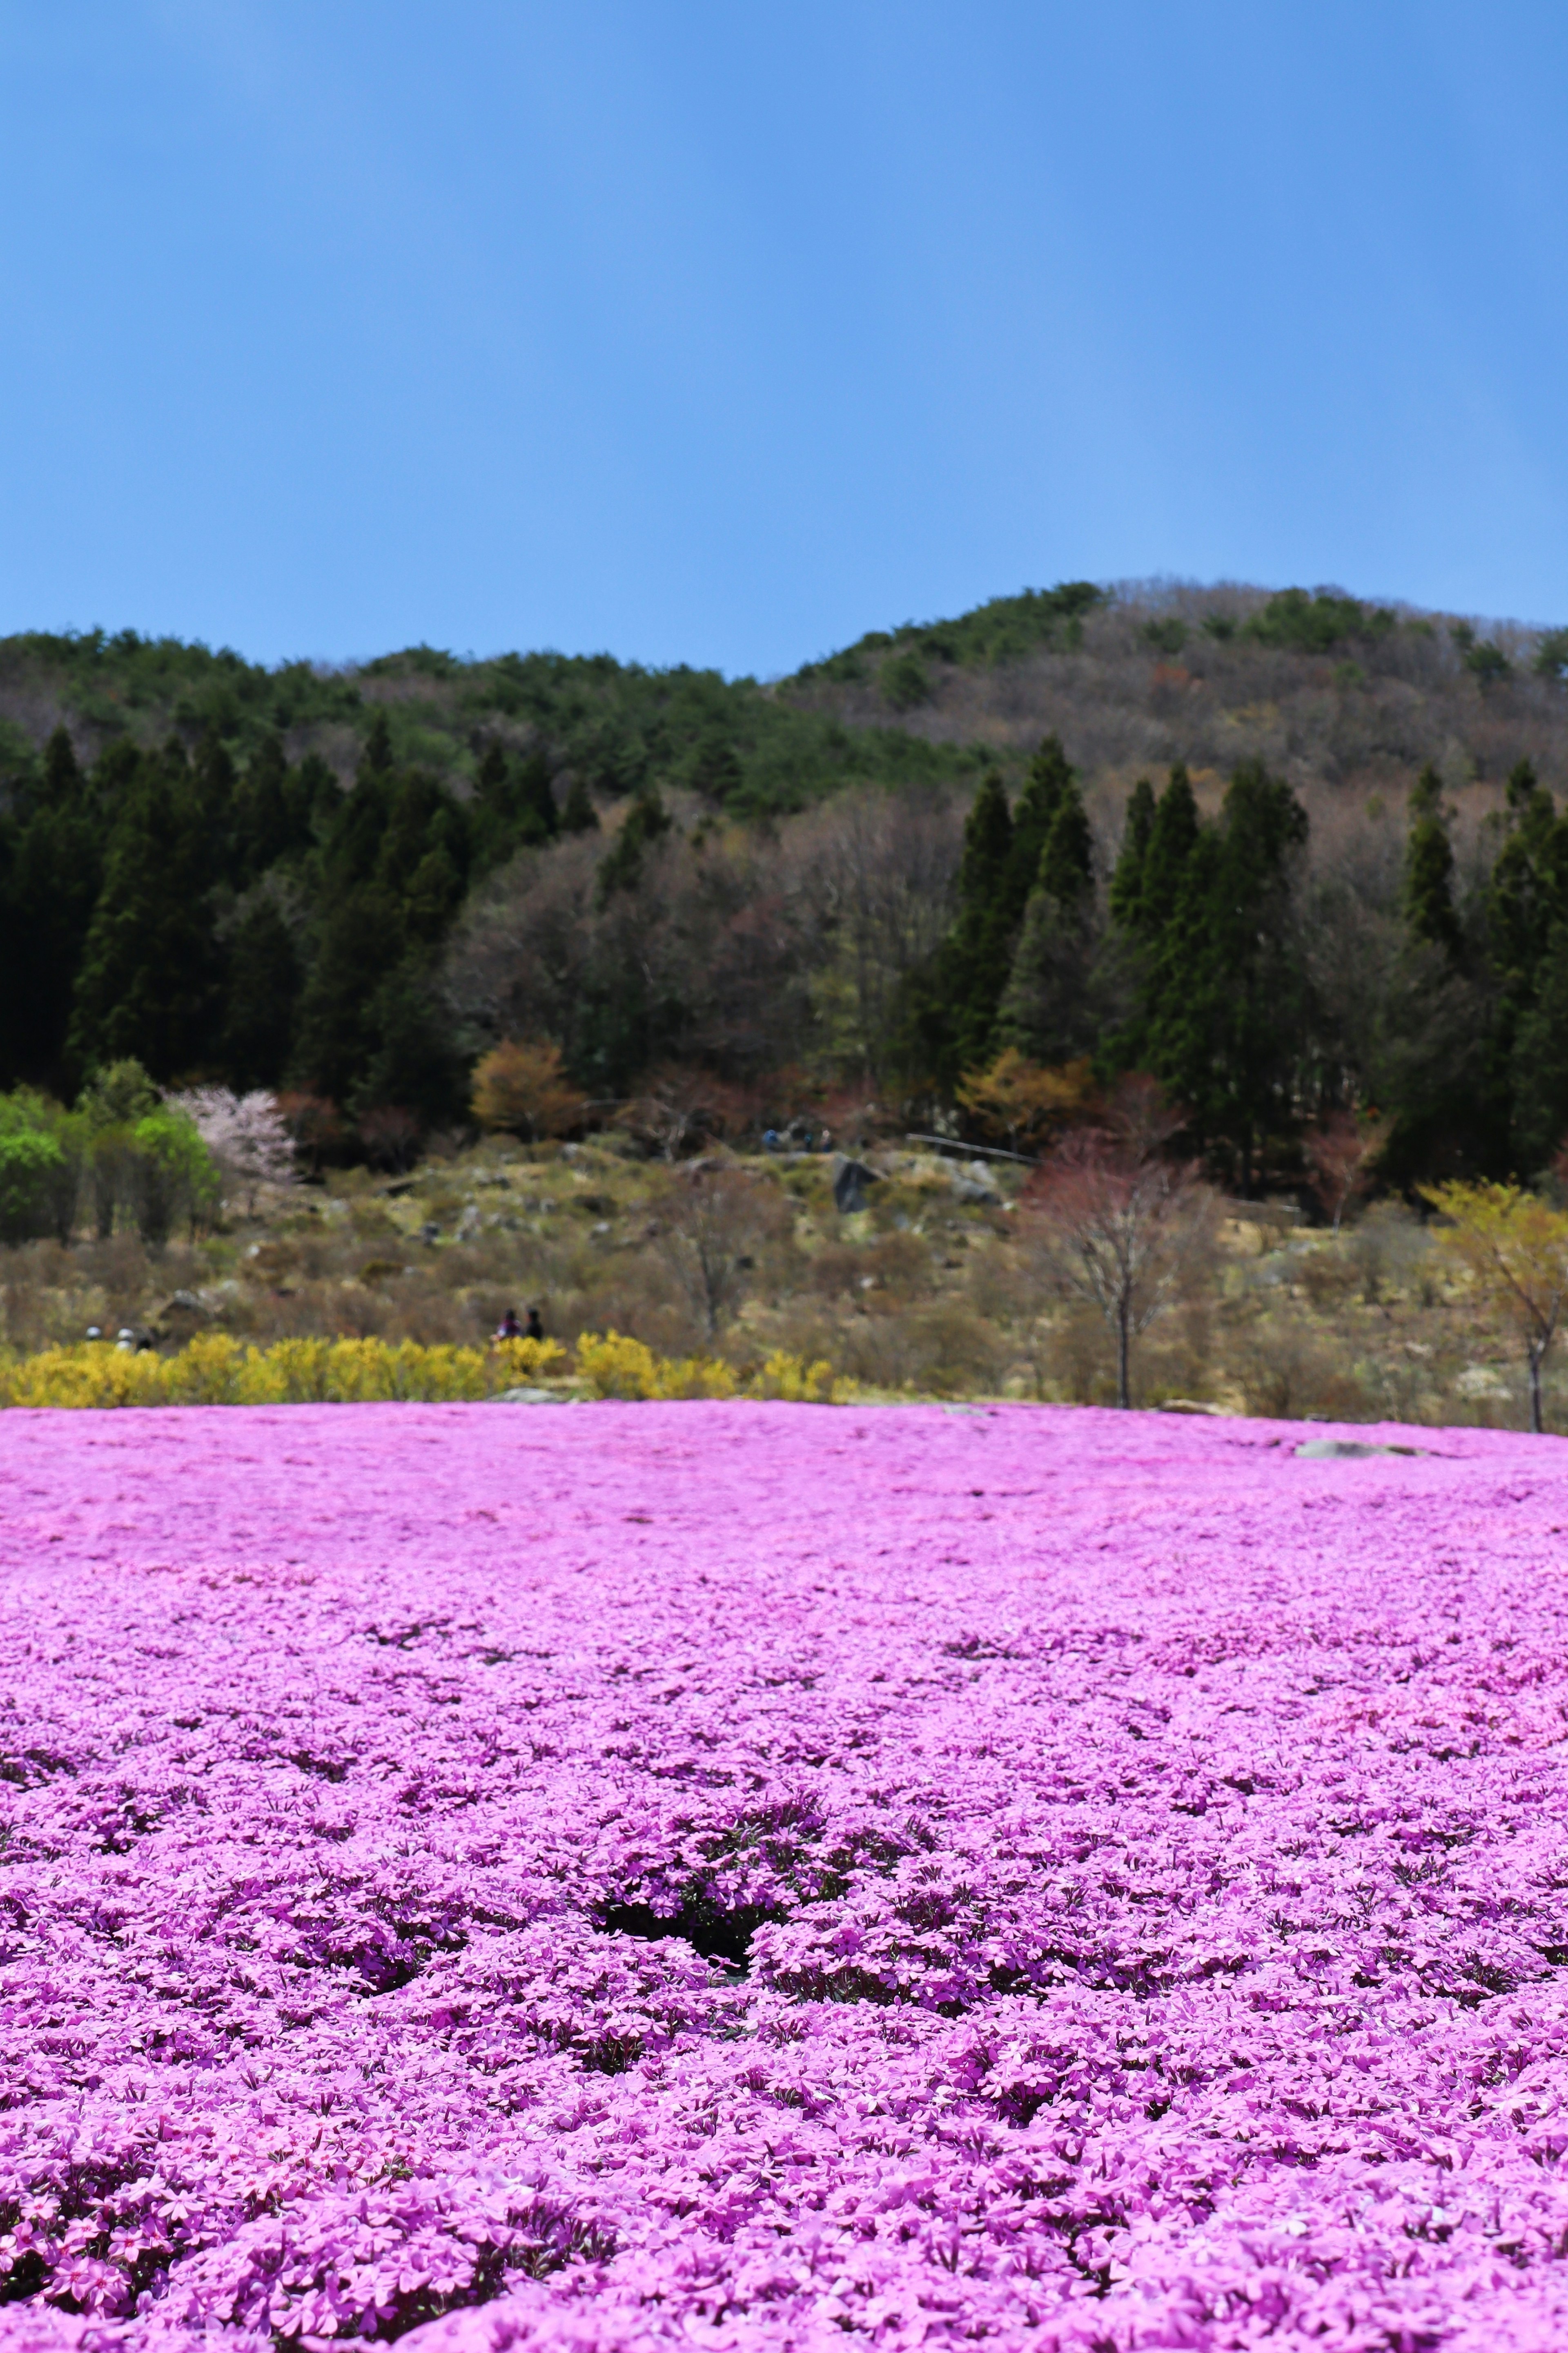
1046, 1009
1066, 862
265, 821
717, 774
1127, 881
336, 1034
977, 959
1049, 776
578, 814
1538, 1063
55, 865
262, 992
148, 981
1171, 840
1427, 897
1227, 998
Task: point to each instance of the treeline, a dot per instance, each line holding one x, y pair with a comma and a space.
263, 927
1265, 992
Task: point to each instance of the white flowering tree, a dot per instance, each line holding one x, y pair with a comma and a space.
246, 1137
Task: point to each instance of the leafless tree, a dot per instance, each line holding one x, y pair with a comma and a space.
714, 1222
1117, 1222
872, 875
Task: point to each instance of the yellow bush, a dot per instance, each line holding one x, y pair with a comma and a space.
619, 1366
796, 1382
217, 1369
527, 1360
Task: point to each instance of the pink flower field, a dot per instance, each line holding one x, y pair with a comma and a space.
745, 1875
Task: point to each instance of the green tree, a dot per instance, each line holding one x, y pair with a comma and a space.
1428, 896
1228, 998
171, 1174
148, 984
1172, 838
1049, 777
261, 996
578, 814
1538, 1062
56, 871
1127, 881
336, 1034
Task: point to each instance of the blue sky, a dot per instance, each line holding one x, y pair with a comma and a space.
720, 334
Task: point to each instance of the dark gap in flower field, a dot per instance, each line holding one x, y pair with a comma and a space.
717, 1934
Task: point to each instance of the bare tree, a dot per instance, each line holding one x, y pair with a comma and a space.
1119, 1223
1341, 1153
713, 1222
872, 875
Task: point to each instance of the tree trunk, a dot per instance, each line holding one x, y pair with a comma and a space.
1535, 1421
1124, 1386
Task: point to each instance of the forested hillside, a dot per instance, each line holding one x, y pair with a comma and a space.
1295, 854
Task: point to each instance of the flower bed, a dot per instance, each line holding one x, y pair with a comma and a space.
750, 1875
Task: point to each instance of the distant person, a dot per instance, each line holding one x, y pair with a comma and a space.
535, 1328
509, 1328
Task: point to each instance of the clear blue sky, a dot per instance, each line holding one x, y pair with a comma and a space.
722, 332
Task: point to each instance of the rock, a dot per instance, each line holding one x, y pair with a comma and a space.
850, 1179
973, 1195
528, 1397
1186, 1405
1348, 1449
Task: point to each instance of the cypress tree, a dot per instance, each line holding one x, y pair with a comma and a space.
1171, 840
976, 964
1049, 776
214, 782
1427, 894
1538, 1063
1066, 862
578, 814
54, 870
717, 774
1227, 998
1127, 881
261, 996
148, 983
265, 819
336, 1034
1045, 1010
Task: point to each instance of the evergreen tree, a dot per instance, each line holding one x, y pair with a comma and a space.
513, 808
1427, 897
1066, 862
376, 757
1226, 1022
214, 780
1048, 779
975, 964
336, 1034
620, 868
1045, 1010
1172, 838
1127, 881
267, 815
717, 774
53, 856
578, 814
263, 990
1538, 1072
148, 981
415, 1064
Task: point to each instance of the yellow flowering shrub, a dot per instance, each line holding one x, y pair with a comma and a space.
214, 1368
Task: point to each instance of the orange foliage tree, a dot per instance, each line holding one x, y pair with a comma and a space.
1024, 1100
523, 1090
